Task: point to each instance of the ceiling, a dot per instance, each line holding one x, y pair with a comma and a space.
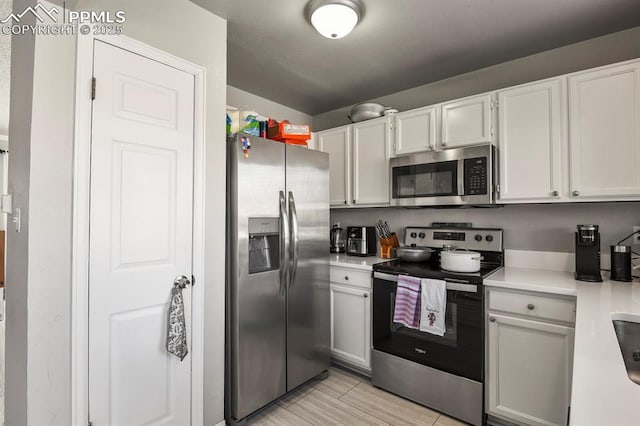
274, 52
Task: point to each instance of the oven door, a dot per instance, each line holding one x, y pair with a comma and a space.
459, 351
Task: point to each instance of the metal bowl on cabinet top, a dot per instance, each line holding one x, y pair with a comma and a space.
366, 111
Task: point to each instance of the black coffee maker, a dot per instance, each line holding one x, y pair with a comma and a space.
588, 254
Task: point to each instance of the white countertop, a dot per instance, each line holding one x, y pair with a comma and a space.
555, 282
356, 262
602, 393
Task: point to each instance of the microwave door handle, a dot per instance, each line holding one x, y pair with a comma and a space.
460, 176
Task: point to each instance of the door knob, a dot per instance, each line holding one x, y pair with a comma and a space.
492, 319
555, 193
530, 307
346, 277
575, 193
181, 281
365, 295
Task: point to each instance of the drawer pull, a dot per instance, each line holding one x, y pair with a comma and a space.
492, 319
346, 277
530, 307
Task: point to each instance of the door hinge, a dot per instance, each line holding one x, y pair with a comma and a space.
193, 281
497, 104
93, 88
89, 424
490, 104
498, 188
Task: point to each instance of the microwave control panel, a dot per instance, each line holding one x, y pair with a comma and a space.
475, 176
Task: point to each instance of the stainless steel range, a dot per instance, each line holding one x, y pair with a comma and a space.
441, 372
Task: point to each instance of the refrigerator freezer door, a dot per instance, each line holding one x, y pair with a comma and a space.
257, 314
308, 310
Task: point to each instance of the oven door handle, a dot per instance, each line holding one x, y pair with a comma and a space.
466, 288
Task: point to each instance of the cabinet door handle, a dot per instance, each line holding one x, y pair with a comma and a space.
365, 295
530, 307
492, 319
346, 277
575, 193
555, 193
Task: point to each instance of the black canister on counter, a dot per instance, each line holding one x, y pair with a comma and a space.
621, 263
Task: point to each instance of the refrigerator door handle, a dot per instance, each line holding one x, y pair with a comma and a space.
294, 245
284, 244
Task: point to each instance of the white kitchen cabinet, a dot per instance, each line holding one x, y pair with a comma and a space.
532, 127
529, 358
359, 162
351, 317
604, 133
467, 121
370, 171
337, 143
415, 131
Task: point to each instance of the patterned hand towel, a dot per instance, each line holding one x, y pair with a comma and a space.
407, 309
434, 304
176, 327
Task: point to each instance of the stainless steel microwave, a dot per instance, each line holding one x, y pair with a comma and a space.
461, 176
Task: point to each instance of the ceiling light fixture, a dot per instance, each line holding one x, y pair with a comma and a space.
334, 18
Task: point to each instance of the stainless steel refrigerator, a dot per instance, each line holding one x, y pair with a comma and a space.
278, 324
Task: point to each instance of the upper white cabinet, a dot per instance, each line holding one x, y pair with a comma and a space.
415, 131
371, 145
358, 162
337, 143
531, 122
604, 133
467, 122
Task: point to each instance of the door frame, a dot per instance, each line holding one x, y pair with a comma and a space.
80, 226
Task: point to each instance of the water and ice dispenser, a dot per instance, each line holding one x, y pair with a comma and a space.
264, 244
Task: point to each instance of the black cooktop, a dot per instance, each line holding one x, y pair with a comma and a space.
432, 270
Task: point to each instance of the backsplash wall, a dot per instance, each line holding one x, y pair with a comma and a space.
540, 227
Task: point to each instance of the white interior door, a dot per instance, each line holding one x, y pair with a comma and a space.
140, 238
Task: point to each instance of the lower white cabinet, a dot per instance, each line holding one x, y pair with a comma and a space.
351, 325
529, 359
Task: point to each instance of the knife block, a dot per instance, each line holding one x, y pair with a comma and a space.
387, 246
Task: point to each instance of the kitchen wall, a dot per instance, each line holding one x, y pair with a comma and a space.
38, 380
603, 50
248, 101
17, 272
540, 227
5, 69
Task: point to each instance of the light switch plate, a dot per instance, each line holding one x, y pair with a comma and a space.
7, 203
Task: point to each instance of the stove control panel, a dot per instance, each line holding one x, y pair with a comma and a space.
484, 239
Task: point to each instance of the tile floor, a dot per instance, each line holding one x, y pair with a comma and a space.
347, 399
343, 398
